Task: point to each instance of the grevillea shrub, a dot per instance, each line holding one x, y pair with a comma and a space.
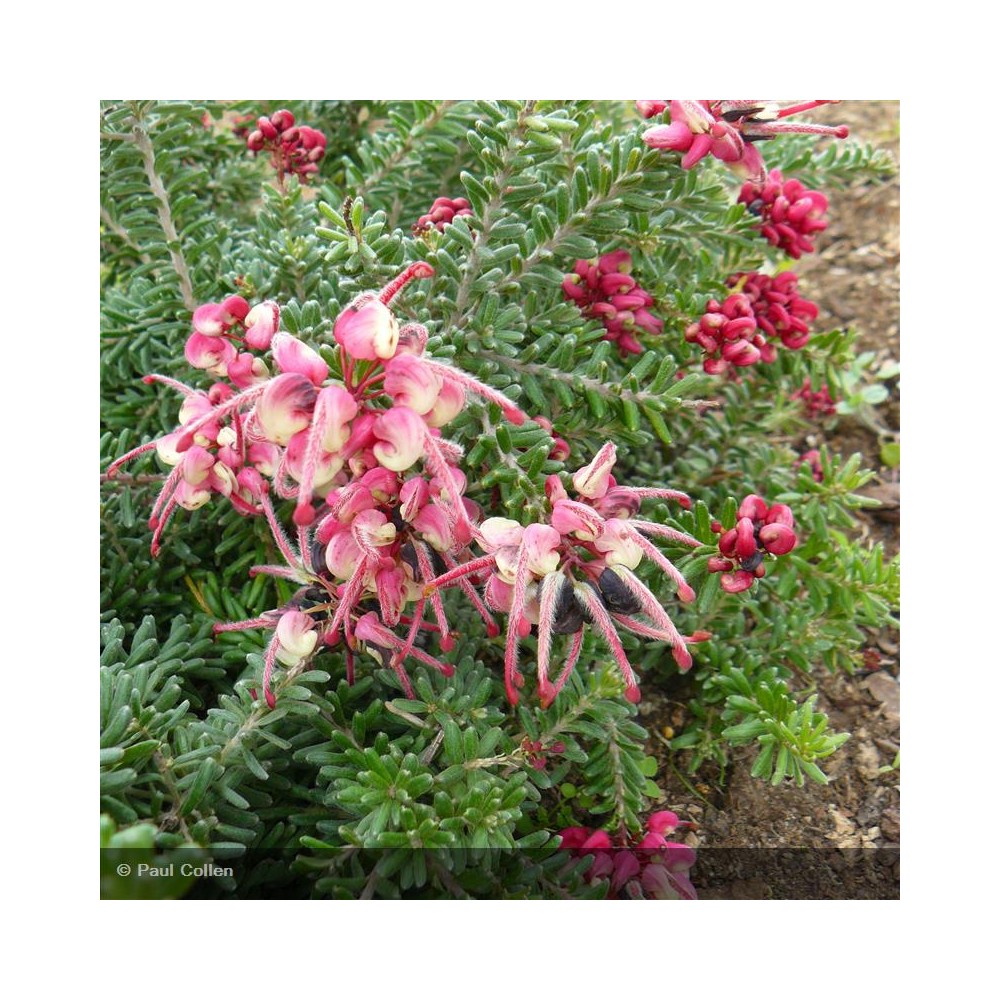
437, 438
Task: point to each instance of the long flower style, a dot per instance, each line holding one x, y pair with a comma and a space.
729, 131
379, 505
579, 568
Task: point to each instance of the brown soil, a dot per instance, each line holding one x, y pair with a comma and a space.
855, 280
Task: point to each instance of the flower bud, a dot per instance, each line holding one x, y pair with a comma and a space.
297, 637
261, 323
292, 355
753, 507
778, 539
735, 583
541, 543
593, 480
211, 354
367, 330
400, 433
412, 383
448, 405
285, 407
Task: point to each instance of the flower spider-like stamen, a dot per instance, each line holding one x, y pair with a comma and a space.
187, 432
492, 629
427, 573
270, 655
602, 620
548, 596
281, 572
371, 631
437, 464
512, 677
267, 620
419, 269
684, 590
571, 661
282, 540
466, 569
652, 608
510, 409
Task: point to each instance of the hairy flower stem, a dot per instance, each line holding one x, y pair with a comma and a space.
145, 146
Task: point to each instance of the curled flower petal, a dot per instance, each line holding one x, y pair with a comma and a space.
261, 325
400, 435
593, 480
367, 330
292, 355
286, 406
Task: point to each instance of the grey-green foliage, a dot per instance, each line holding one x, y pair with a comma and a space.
187, 751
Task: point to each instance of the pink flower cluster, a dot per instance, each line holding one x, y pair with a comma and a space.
818, 402
294, 149
579, 567
442, 211
741, 330
649, 868
760, 530
604, 289
789, 214
728, 130
391, 514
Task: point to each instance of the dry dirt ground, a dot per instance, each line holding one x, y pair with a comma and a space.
855, 279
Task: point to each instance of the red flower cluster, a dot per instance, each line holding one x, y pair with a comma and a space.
442, 212
760, 530
818, 402
740, 331
604, 289
728, 335
650, 868
789, 214
777, 306
294, 149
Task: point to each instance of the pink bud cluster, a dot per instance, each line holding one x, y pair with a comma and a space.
818, 402
760, 530
578, 567
648, 868
442, 211
294, 149
741, 330
391, 514
728, 130
789, 213
604, 289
